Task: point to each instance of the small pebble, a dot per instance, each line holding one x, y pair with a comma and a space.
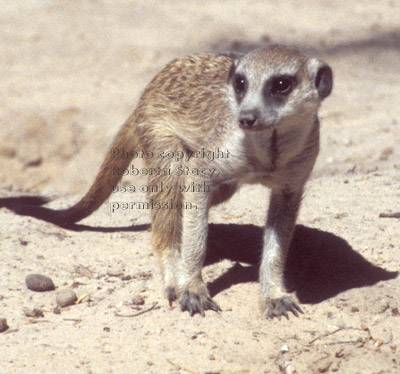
39, 283
290, 369
35, 312
324, 366
137, 300
383, 307
335, 367
65, 298
3, 325
284, 348
34, 161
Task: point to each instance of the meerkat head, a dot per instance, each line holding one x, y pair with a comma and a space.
277, 86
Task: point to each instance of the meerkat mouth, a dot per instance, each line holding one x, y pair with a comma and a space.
258, 126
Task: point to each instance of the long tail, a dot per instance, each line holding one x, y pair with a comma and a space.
101, 188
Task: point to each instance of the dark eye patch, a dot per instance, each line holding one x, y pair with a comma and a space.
239, 85
281, 85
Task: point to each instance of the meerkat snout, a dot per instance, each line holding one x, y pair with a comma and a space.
249, 118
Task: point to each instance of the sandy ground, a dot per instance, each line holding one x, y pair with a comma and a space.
72, 71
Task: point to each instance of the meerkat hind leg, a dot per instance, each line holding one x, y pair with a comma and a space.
282, 213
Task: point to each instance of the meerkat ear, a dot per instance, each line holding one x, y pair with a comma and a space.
322, 76
234, 56
232, 70
231, 55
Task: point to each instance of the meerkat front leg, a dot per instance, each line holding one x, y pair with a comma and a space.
193, 293
281, 219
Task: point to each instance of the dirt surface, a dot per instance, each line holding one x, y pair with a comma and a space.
71, 73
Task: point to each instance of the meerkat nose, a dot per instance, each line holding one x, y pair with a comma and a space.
248, 118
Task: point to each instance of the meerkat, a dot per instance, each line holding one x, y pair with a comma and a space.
263, 108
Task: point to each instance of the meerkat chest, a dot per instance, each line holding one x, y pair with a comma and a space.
276, 148
272, 158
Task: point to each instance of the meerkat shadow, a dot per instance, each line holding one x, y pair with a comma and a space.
319, 265
31, 206
12, 202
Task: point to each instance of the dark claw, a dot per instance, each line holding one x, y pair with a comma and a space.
294, 311
190, 309
212, 305
281, 307
294, 308
194, 303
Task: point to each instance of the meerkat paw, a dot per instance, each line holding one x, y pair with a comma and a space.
280, 307
193, 302
197, 303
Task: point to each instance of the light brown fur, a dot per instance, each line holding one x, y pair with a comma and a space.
192, 103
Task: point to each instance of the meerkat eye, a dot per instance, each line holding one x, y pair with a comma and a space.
239, 84
282, 85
